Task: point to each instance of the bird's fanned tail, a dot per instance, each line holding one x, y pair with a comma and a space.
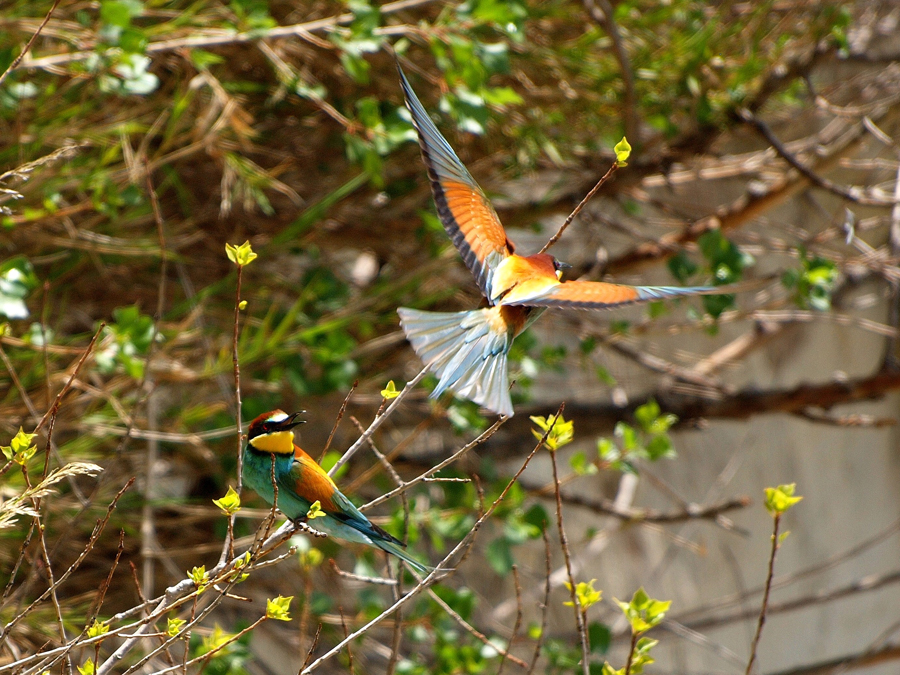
466, 351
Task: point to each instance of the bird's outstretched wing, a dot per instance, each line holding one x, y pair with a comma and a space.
601, 295
463, 208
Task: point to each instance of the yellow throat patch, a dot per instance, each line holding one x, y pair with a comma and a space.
279, 442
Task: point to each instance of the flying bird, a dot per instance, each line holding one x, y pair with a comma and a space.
301, 482
468, 351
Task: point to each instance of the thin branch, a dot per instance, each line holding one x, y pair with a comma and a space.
576, 605
783, 581
378, 581
850, 194
857, 661
602, 12
518, 624
765, 602
228, 548
352, 450
435, 575
545, 605
16, 61
640, 515
98, 528
340, 416
484, 436
54, 409
866, 584
581, 205
600, 418
474, 632
346, 633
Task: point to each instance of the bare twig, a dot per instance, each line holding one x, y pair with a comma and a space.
692, 512
780, 582
765, 602
518, 623
564, 544
581, 205
866, 584
65, 575
545, 604
485, 435
633, 646
54, 409
856, 661
373, 427
337, 420
437, 573
378, 581
850, 194
312, 648
474, 632
228, 548
346, 633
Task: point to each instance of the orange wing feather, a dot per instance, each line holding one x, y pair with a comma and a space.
601, 295
576, 294
313, 483
462, 206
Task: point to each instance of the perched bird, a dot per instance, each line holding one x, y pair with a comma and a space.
301, 482
467, 351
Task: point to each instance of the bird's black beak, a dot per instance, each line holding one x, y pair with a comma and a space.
292, 420
560, 265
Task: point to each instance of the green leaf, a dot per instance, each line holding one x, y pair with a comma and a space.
628, 434
278, 608
241, 255
87, 668
17, 280
215, 640
660, 447
120, 12
643, 612
623, 152
581, 466
200, 577
647, 414
174, 626
307, 556
780, 499
560, 432
203, 59
599, 637
20, 449
390, 391
537, 516
97, 628
230, 503
315, 511
499, 556
682, 267
585, 594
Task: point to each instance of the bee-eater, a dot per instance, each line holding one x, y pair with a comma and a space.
301, 482
467, 350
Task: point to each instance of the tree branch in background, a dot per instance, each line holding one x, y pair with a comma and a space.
16, 61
